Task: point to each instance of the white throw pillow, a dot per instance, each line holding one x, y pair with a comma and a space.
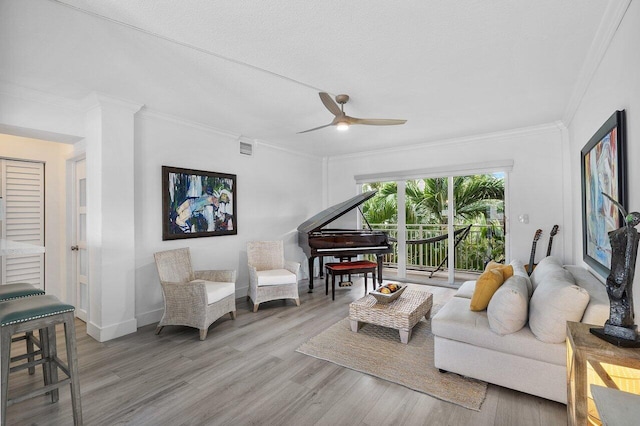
554, 303
518, 269
545, 266
508, 309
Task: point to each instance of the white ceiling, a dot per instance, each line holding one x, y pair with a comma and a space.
451, 68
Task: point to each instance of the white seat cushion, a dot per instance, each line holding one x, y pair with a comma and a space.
466, 289
455, 321
276, 277
217, 291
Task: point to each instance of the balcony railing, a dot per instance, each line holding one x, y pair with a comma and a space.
483, 243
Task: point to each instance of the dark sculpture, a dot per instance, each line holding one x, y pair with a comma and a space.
620, 328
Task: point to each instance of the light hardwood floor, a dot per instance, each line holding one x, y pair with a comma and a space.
247, 372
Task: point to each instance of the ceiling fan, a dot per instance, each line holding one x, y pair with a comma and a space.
343, 121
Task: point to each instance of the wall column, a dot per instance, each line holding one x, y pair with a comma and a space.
109, 124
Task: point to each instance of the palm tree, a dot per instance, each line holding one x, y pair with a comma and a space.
474, 197
427, 200
383, 207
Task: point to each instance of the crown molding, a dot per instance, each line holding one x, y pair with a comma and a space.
501, 135
157, 115
149, 113
98, 100
287, 150
611, 20
29, 94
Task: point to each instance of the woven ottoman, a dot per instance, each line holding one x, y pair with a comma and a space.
402, 314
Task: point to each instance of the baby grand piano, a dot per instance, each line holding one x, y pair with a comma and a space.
317, 242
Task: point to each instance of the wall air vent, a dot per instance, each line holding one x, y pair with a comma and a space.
246, 146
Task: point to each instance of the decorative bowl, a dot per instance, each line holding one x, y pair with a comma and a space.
388, 298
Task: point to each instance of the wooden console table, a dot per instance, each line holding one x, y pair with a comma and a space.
588, 354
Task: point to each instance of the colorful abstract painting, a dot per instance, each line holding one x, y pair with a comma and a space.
197, 203
602, 172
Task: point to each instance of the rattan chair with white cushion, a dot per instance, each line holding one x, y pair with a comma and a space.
193, 298
271, 277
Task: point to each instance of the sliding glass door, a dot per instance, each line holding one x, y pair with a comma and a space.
445, 228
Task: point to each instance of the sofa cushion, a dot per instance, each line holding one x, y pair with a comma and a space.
545, 266
466, 289
487, 284
518, 269
456, 322
509, 307
597, 311
554, 302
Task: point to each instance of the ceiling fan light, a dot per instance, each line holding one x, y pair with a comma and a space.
342, 126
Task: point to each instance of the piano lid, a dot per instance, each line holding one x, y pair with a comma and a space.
334, 212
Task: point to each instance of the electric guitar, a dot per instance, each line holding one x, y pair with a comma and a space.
553, 232
529, 267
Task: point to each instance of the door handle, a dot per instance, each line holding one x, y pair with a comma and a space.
74, 248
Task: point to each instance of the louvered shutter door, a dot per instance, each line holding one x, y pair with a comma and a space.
23, 192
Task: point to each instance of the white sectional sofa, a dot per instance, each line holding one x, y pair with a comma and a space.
465, 342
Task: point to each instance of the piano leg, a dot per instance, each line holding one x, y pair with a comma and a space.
379, 256
311, 262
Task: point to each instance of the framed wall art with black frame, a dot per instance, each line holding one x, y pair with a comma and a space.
197, 203
603, 170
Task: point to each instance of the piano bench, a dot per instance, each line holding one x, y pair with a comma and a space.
348, 268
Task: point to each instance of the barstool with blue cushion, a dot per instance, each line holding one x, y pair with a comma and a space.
18, 291
40, 313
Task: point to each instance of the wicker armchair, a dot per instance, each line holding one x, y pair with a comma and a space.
193, 298
271, 277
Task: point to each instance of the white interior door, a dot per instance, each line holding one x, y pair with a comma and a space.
79, 249
22, 187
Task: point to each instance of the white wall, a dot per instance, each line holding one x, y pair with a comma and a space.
54, 156
615, 86
276, 190
535, 184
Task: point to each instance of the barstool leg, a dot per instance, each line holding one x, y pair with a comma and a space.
5, 359
72, 362
44, 347
29, 338
53, 353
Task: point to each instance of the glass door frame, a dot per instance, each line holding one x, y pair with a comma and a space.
462, 170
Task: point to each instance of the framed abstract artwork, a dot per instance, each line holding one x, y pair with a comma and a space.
603, 166
196, 203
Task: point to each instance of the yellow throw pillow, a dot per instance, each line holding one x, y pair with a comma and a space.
486, 285
507, 270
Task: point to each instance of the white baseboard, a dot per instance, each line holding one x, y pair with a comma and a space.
102, 334
150, 317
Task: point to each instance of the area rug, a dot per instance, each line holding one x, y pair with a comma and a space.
377, 351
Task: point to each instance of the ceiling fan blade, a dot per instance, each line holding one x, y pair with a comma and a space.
375, 121
316, 128
330, 103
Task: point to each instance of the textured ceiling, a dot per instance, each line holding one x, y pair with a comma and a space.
451, 68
